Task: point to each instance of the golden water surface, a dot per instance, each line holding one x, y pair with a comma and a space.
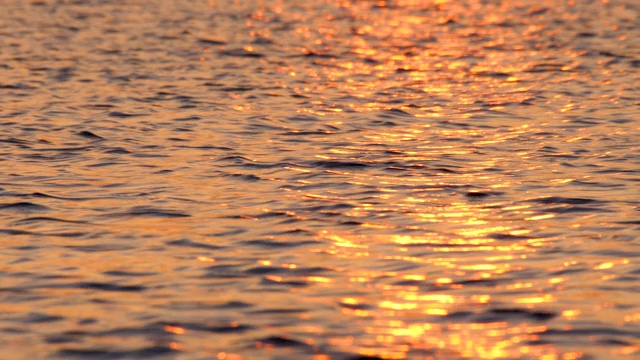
401, 179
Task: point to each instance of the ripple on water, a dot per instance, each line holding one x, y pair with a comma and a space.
23, 207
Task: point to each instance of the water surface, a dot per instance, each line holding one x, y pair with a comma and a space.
319, 179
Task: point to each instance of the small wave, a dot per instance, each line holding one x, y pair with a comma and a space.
148, 211
24, 207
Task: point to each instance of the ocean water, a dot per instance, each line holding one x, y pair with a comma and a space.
320, 180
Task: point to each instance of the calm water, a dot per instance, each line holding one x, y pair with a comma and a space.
320, 180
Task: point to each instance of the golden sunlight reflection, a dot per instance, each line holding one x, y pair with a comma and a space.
402, 63
430, 302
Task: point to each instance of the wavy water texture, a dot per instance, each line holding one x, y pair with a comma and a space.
393, 179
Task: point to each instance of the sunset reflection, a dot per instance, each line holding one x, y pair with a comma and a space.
440, 306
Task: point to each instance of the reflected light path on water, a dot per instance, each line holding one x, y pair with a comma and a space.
320, 179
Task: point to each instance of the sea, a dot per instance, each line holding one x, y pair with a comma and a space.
319, 179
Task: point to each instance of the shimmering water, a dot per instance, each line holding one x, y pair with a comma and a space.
319, 179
